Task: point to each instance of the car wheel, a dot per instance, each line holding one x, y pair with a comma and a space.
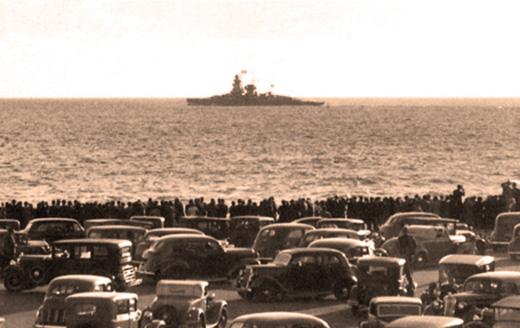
266, 292
37, 274
14, 279
342, 290
168, 315
222, 321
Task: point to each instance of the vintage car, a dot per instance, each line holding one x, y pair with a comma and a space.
215, 227
6, 223
243, 229
321, 233
502, 233
153, 235
345, 223
134, 234
187, 303
514, 244
426, 321
504, 313
110, 221
352, 248
106, 310
395, 223
105, 257
278, 319
454, 269
385, 309
433, 243
298, 272
155, 221
279, 236
310, 220
51, 229
52, 310
480, 291
194, 256
379, 276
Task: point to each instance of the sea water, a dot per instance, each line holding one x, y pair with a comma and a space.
130, 149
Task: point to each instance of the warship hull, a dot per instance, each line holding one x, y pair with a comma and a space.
246, 101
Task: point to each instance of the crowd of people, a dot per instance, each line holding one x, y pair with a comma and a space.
475, 211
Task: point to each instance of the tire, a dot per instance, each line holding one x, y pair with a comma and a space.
37, 274
266, 292
222, 321
341, 290
14, 279
168, 315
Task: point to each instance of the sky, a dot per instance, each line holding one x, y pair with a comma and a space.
304, 48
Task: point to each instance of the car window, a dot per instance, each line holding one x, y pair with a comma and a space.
100, 251
331, 259
82, 252
61, 251
64, 290
303, 259
293, 238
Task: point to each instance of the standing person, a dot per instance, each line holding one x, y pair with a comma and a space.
9, 249
407, 247
457, 202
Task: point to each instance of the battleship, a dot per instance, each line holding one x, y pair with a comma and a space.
248, 96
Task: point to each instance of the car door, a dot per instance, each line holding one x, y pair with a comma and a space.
303, 273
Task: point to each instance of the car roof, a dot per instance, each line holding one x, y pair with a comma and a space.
52, 220
335, 230
280, 318
508, 214
505, 275
396, 299
380, 260
154, 217
419, 214
87, 278
116, 227
512, 301
102, 295
337, 241
288, 225
179, 230
425, 321
252, 217
120, 242
181, 288
205, 218
187, 236
308, 250
467, 259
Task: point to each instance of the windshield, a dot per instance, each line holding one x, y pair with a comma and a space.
392, 310
483, 286
504, 314
506, 224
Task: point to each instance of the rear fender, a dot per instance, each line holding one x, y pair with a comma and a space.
262, 279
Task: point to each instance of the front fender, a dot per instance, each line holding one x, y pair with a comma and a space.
193, 317
263, 279
214, 311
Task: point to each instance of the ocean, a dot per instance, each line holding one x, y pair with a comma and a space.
130, 149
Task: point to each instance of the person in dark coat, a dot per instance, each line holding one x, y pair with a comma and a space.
9, 249
407, 247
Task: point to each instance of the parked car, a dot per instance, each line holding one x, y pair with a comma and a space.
278, 319
6, 223
51, 229
504, 313
379, 276
426, 321
345, 223
243, 229
194, 256
105, 257
156, 221
352, 248
298, 272
395, 223
279, 236
385, 309
502, 233
454, 269
109, 221
106, 310
433, 243
187, 303
321, 233
310, 220
52, 310
153, 235
131, 233
480, 291
215, 227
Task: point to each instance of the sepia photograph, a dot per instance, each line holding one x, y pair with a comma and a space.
259, 164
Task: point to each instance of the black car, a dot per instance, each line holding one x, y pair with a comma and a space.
298, 272
51, 229
480, 291
104, 257
194, 256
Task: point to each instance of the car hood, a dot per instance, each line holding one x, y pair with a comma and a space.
457, 239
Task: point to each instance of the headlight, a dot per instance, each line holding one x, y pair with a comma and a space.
461, 305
